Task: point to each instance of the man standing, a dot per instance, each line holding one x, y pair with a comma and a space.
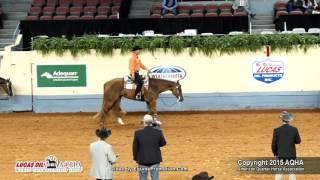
146, 149
102, 156
283, 141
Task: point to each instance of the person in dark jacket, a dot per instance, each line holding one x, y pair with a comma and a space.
146, 149
284, 140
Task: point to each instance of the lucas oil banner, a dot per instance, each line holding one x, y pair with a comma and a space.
269, 70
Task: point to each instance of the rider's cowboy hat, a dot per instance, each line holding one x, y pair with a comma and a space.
202, 176
103, 133
135, 48
286, 116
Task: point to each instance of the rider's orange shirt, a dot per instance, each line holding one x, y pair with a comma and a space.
135, 64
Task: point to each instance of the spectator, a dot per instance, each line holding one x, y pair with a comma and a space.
102, 156
242, 5
169, 6
283, 141
146, 149
294, 5
310, 6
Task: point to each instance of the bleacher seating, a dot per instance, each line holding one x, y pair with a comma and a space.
297, 18
198, 10
74, 9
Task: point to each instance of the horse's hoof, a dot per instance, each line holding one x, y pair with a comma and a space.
120, 121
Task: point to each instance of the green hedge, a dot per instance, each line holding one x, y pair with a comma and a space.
208, 45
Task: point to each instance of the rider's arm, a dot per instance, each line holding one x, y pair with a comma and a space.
143, 66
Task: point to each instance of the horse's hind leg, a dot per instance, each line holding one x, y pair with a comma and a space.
118, 112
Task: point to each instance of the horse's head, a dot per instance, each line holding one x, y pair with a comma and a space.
177, 91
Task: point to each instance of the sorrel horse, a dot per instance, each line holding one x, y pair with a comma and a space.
114, 90
6, 85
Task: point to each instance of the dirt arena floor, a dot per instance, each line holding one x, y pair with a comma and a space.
202, 141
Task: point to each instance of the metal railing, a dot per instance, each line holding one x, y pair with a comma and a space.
16, 32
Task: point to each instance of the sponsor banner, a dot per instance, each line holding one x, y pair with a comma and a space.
50, 164
61, 75
168, 72
269, 70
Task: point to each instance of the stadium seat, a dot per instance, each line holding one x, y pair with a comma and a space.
65, 3
77, 10
62, 10
38, 3
90, 10
53, 3
169, 15
296, 12
212, 8
197, 14
78, 3
115, 9
46, 17
73, 17
225, 7
197, 8
92, 3
156, 15
35, 11
113, 16
211, 14
32, 18
183, 15
240, 13
281, 13
59, 17
155, 9
101, 17
225, 14
116, 2
280, 6
105, 3
48, 10
87, 17
103, 10
184, 9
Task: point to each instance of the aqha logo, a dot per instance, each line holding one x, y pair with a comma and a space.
170, 73
268, 71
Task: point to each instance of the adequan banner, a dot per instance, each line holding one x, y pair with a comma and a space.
61, 75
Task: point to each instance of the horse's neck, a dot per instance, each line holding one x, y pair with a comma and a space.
161, 85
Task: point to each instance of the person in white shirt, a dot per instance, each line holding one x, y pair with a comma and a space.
102, 156
310, 6
240, 5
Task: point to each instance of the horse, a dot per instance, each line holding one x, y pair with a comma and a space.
114, 90
6, 85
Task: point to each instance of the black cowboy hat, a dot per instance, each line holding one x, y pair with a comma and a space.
202, 176
103, 133
136, 48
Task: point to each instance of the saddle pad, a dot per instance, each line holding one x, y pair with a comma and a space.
129, 84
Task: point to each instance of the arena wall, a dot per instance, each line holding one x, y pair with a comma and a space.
212, 83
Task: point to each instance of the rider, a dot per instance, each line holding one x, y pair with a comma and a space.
134, 66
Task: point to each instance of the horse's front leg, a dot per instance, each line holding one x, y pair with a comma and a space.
118, 112
152, 107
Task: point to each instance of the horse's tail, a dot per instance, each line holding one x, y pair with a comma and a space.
101, 115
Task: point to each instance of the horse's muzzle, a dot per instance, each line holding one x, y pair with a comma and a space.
180, 98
